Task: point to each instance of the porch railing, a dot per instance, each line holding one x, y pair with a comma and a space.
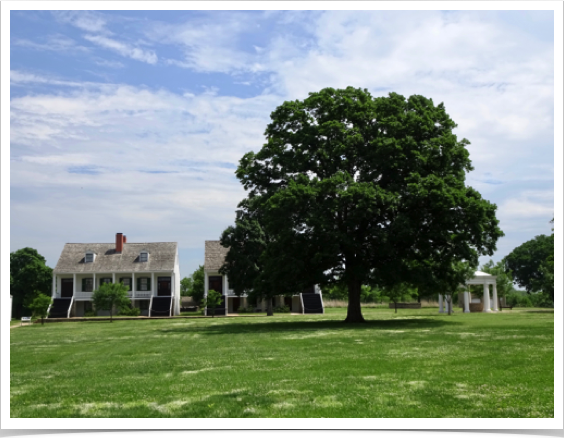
137, 294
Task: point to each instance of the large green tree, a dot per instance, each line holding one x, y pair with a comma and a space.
252, 262
29, 276
367, 191
528, 264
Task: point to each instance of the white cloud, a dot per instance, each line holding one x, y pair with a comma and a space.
18, 77
55, 43
124, 49
85, 20
208, 46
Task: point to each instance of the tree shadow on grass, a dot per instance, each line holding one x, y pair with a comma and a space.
229, 327
537, 311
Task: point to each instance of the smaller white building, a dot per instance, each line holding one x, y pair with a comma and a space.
488, 301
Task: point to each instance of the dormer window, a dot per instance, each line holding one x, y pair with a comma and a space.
89, 257
144, 256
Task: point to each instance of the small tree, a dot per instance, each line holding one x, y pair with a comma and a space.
40, 306
399, 292
211, 301
109, 296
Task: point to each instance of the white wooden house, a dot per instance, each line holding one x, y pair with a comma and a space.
149, 270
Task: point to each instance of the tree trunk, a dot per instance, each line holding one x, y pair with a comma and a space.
354, 312
396, 307
269, 311
449, 301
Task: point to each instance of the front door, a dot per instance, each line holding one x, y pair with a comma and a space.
216, 283
66, 287
163, 286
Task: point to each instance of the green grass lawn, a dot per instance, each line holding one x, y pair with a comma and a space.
413, 364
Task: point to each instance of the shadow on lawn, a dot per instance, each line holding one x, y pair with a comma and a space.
537, 311
290, 326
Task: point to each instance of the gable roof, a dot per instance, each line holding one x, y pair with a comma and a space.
162, 256
214, 255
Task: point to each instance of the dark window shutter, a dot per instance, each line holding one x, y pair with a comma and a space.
83, 284
149, 283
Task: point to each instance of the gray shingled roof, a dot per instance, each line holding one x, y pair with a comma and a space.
161, 257
214, 255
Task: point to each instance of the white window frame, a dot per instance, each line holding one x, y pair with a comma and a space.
144, 255
89, 254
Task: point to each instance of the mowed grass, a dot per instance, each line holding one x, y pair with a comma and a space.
415, 363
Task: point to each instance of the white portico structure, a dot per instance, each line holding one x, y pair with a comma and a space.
480, 278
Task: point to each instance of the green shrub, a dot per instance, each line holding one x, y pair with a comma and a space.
281, 309
90, 313
129, 311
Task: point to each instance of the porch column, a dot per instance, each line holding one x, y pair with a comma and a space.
134, 285
73, 285
173, 297
466, 302
113, 277
205, 290
94, 287
54, 287
441, 310
495, 309
153, 284
486, 298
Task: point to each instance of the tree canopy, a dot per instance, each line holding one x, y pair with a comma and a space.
529, 264
252, 260
29, 276
40, 306
367, 191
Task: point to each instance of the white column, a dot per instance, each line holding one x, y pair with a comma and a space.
205, 290
73, 285
114, 277
495, 309
466, 302
133, 286
54, 289
441, 310
94, 286
486, 298
152, 283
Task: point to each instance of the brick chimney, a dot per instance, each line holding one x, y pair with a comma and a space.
119, 242
124, 238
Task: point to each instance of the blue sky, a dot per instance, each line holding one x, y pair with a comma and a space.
134, 121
